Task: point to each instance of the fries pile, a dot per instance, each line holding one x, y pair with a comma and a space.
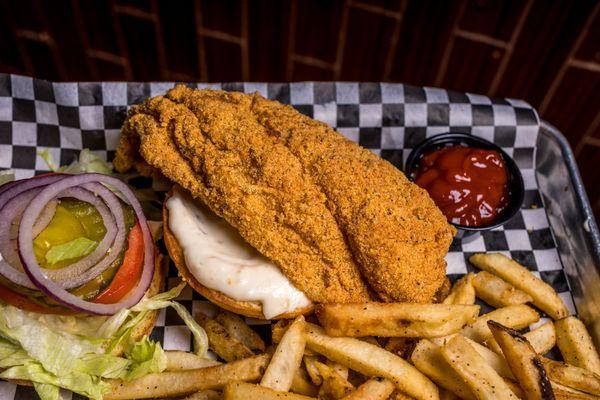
397, 351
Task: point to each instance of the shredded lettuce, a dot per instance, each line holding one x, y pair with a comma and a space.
75, 248
7, 175
47, 392
146, 357
87, 162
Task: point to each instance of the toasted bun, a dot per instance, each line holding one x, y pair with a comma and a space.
144, 328
246, 308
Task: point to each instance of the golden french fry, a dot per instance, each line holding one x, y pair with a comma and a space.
394, 319
371, 360
462, 292
342, 370
525, 364
287, 358
373, 389
179, 383
247, 391
562, 392
542, 338
497, 292
221, 342
310, 362
204, 395
573, 377
428, 359
301, 384
484, 382
575, 344
515, 317
544, 297
181, 360
447, 395
334, 386
401, 396
239, 330
516, 389
495, 360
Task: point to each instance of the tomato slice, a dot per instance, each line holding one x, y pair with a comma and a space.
23, 302
128, 275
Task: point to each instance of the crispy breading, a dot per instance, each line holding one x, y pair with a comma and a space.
214, 147
303, 195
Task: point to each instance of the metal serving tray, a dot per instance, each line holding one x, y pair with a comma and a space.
572, 222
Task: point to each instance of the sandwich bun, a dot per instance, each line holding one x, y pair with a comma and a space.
247, 308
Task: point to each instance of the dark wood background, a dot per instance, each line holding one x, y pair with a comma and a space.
544, 51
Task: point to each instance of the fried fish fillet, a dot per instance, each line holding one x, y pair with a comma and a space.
328, 212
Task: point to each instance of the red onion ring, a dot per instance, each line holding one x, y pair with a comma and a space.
51, 288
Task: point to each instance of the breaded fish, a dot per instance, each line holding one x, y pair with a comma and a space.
325, 210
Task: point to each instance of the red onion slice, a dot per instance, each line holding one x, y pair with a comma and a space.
51, 288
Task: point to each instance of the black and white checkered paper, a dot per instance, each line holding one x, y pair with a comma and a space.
388, 119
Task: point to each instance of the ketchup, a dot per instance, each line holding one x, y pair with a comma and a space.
469, 185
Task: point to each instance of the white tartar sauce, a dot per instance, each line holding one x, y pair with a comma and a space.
220, 259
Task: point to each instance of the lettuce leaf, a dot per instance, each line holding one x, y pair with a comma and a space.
7, 175
75, 248
87, 162
146, 357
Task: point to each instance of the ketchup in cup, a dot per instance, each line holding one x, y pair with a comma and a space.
469, 185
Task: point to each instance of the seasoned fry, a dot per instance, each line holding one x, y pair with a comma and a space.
310, 362
484, 382
428, 359
462, 292
497, 292
525, 364
573, 377
447, 395
516, 389
575, 344
287, 358
373, 389
334, 386
562, 392
394, 319
542, 338
181, 360
239, 330
302, 385
179, 383
221, 342
204, 395
371, 360
248, 391
544, 297
515, 317
342, 370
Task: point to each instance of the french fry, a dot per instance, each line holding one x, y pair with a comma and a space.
428, 359
279, 328
239, 330
310, 362
371, 360
484, 382
525, 364
447, 395
182, 360
516, 389
334, 386
497, 292
342, 370
179, 383
515, 317
373, 389
248, 391
544, 297
204, 395
562, 392
221, 342
301, 384
394, 319
575, 344
287, 358
401, 396
462, 292
542, 338
573, 377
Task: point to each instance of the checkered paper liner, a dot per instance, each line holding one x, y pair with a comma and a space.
388, 119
